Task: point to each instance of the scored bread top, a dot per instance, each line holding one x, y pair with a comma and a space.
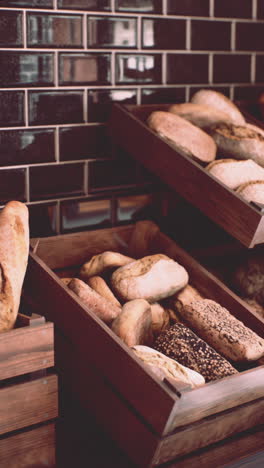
219, 101
234, 173
252, 191
184, 136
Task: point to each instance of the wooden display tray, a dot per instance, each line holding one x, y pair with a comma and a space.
152, 421
128, 129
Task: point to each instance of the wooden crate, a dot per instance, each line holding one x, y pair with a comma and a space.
151, 420
28, 387
128, 128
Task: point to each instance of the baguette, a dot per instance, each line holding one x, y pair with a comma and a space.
234, 173
14, 250
219, 101
184, 136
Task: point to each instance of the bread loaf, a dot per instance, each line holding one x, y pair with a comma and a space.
103, 262
234, 173
14, 250
228, 335
216, 100
248, 278
239, 142
200, 115
160, 318
163, 366
96, 304
134, 324
184, 136
184, 297
181, 344
252, 191
99, 285
152, 278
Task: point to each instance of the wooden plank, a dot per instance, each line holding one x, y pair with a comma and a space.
30, 448
187, 177
26, 349
28, 403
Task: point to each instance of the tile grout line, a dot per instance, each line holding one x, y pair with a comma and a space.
253, 69
254, 9
24, 22
211, 8
165, 8
57, 145
27, 184
188, 38
210, 68
233, 36
85, 177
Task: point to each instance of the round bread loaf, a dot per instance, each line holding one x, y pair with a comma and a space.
252, 191
228, 335
164, 366
200, 115
234, 173
152, 278
211, 98
184, 136
181, 344
134, 324
239, 142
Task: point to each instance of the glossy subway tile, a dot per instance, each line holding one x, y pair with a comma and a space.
260, 9
42, 219
230, 9
139, 6
163, 33
132, 208
11, 31
114, 32
189, 7
89, 5
89, 141
231, 68
103, 175
26, 69
12, 108
54, 30
138, 68
27, 146
12, 185
100, 102
56, 181
162, 95
85, 214
187, 68
248, 93
84, 68
55, 107
27, 3
248, 36
210, 35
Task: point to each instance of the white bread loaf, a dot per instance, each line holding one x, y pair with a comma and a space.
14, 250
239, 142
220, 329
184, 136
163, 366
252, 191
234, 173
200, 115
152, 278
216, 100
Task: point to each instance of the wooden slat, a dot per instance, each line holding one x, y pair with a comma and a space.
189, 179
26, 349
28, 403
30, 448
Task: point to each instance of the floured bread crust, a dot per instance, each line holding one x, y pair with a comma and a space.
103, 262
201, 115
218, 101
252, 191
134, 324
234, 173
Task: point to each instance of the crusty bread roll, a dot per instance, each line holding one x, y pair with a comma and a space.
99, 285
181, 344
256, 128
183, 297
234, 173
252, 191
228, 335
163, 366
97, 304
184, 136
200, 115
134, 324
152, 278
14, 250
160, 318
248, 278
211, 98
239, 142
66, 281
102, 262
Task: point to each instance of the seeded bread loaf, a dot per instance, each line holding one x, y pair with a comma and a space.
200, 115
252, 191
239, 142
184, 136
228, 335
234, 173
181, 344
14, 250
216, 100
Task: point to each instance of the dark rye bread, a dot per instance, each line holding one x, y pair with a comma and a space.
184, 136
228, 335
181, 344
239, 142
